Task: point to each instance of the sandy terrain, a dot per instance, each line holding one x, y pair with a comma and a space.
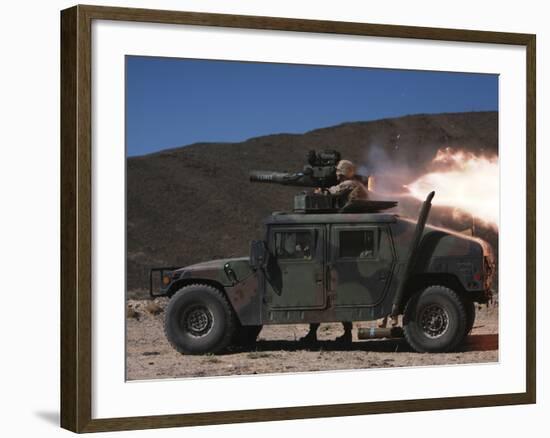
149, 356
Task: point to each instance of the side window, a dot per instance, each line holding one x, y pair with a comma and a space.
356, 244
297, 245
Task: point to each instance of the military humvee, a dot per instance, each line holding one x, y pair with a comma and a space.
320, 265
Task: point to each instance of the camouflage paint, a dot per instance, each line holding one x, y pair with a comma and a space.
327, 288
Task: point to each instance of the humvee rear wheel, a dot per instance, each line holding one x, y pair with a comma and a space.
435, 320
199, 320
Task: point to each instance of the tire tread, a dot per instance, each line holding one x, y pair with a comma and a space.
228, 310
410, 336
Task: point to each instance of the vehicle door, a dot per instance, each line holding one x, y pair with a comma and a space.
295, 272
362, 259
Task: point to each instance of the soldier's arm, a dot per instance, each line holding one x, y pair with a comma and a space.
341, 189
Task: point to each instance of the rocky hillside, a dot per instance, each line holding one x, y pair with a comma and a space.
195, 203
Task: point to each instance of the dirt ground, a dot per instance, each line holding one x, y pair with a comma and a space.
150, 356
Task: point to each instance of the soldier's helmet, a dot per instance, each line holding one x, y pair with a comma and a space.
345, 168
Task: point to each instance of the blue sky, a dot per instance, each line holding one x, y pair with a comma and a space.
175, 102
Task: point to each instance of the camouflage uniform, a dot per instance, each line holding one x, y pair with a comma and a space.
351, 189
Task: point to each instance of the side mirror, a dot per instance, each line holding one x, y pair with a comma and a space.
258, 254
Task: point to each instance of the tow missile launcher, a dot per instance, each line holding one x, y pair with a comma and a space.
320, 172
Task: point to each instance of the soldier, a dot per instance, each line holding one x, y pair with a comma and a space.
312, 334
350, 188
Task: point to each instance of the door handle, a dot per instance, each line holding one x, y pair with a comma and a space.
382, 276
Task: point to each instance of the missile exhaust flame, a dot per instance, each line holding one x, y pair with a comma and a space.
463, 180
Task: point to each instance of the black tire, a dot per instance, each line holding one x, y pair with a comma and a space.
199, 320
470, 308
434, 320
247, 334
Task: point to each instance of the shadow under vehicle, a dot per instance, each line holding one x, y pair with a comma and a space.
322, 264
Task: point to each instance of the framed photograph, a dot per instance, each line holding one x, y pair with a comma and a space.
268, 218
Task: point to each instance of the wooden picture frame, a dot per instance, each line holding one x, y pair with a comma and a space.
76, 217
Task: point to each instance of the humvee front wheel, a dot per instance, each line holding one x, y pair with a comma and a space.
199, 320
435, 320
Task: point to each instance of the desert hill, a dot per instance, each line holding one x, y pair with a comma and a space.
195, 202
